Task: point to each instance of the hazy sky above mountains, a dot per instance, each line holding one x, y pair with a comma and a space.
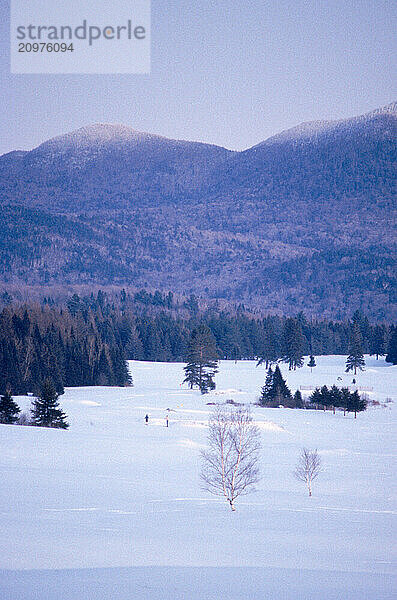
225, 72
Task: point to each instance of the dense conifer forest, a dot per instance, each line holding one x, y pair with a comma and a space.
86, 340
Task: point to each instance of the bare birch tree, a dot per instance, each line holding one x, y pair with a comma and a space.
230, 465
308, 467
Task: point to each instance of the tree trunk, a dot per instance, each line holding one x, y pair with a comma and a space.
355, 415
232, 505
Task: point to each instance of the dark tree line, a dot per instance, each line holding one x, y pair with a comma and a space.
87, 341
37, 343
335, 397
392, 348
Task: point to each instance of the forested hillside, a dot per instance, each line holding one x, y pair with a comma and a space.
304, 221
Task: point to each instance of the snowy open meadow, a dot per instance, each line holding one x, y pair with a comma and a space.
113, 508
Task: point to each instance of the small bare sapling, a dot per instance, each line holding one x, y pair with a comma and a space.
308, 467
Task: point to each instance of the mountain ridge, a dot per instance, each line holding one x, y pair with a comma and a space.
300, 222
123, 129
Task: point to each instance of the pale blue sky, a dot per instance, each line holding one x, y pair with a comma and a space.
225, 72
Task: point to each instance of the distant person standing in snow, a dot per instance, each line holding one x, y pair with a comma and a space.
147, 419
166, 419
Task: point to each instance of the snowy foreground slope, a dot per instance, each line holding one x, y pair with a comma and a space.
112, 508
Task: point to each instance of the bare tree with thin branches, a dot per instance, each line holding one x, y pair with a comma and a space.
230, 464
308, 467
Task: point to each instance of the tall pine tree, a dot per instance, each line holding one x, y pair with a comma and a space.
265, 397
46, 411
294, 343
355, 360
275, 391
298, 400
202, 360
270, 350
280, 391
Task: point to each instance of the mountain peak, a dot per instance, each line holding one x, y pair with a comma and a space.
109, 131
98, 134
309, 130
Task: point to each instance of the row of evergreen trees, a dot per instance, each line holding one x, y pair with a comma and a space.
165, 336
335, 397
87, 342
275, 392
46, 411
156, 326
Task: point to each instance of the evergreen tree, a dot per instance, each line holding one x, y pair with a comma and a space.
265, 397
335, 397
46, 411
9, 410
207, 382
294, 343
344, 399
73, 304
202, 360
311, 363
280, 389
298, 400
10, 368
275, 391
316, 397
325, 397
279, 393
356, 403
392, 351
378, 341
270, 346
120, 367
362, 322
355, 360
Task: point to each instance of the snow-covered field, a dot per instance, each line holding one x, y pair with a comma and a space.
113, 509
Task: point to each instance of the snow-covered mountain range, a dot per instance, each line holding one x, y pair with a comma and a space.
304, 220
